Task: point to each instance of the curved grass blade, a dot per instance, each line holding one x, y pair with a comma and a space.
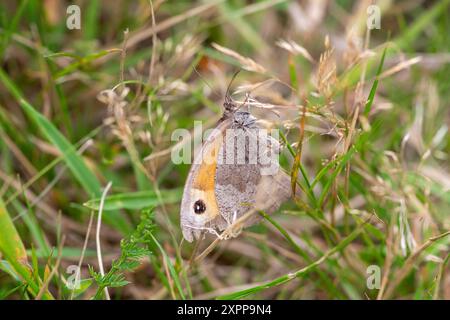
74, 161
76, 164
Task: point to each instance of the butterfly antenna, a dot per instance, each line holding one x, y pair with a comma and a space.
228, 104
205, 82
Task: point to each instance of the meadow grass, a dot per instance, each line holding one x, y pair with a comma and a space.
363, 116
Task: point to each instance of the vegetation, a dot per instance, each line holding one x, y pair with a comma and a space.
86, 122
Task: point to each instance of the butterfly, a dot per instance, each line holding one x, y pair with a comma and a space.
230, 176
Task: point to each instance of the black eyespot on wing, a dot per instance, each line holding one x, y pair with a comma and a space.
199, 207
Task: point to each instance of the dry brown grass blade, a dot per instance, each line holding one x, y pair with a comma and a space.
83, 250
388, 260
44, 287
409, 264
298, 154
230, 232
97, 237
154, 39
168, 23
399, 67
31, 170
295, 49
440, 276
246, 63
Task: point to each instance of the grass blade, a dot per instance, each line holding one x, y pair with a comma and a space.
290, 276
136, 200
12, 248
74, 161
419, 24
76, 164
373, 90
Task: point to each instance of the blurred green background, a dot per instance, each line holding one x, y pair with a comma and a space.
372, 146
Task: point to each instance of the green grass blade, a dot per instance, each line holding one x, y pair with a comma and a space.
302, 253
91, 23
290, 276
13, 250
171, 268
136, 200
74, 161
76, 164
83, 62
419, 24
335, 173
373, 90
6, 34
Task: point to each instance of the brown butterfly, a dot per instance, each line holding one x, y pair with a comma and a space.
219, 191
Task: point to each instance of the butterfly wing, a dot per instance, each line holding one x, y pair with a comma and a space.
199, 209
243, 180
236, 181
229, 177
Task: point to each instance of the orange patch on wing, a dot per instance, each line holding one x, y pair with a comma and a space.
205, 179
211, 204
203, 188
206, 175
